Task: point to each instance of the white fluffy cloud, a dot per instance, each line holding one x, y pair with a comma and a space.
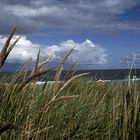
86, 53
23, 51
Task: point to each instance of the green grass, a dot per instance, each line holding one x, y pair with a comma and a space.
106, 111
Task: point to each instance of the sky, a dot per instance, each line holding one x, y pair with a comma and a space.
104, 33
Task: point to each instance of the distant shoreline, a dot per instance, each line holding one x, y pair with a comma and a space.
104, 74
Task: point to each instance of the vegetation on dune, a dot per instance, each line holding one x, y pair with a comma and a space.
75, 109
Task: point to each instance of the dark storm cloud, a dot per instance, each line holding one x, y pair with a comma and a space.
13, 2
66, 16
24, 25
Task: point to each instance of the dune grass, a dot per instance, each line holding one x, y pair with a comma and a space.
76, 109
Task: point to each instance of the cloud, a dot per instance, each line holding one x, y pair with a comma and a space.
131, 59
23, 51
86, 53
66, 16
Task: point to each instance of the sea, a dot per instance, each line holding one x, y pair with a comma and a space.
104, 74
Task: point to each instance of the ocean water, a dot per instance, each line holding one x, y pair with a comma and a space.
108, 74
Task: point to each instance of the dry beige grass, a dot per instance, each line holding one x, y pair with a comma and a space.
7, 48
